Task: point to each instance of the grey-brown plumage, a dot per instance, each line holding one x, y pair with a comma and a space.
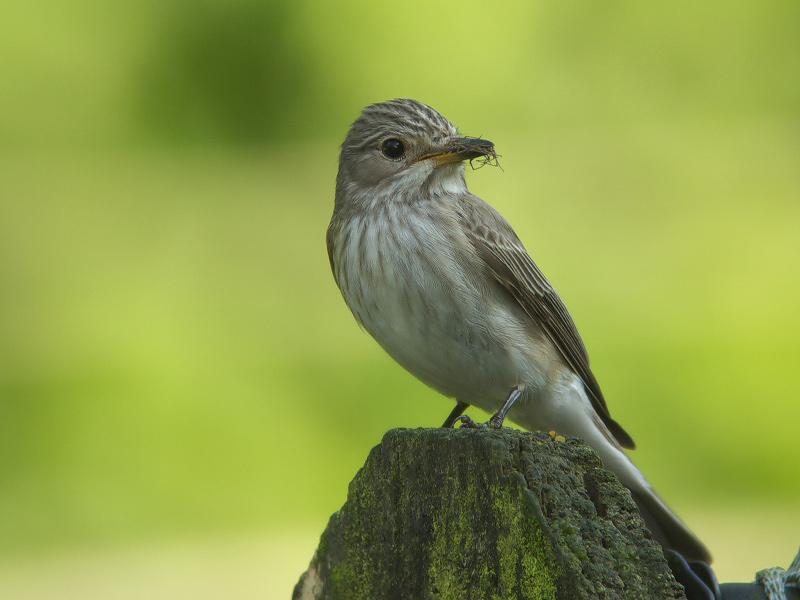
510, 264
444, 284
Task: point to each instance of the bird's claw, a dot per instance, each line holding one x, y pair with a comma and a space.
496, 422
454, 415
467, 422
556, 437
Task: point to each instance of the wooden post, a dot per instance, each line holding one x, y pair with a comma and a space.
486, 514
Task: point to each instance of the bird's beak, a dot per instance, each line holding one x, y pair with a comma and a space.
460, 149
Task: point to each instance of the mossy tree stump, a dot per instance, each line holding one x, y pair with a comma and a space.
485, 514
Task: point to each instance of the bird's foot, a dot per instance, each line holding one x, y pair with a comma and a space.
455, 415
498, 418
557, 437
468, 423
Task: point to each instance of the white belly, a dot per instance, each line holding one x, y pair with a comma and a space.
438, 316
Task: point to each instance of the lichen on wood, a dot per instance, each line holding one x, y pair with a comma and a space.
485, 514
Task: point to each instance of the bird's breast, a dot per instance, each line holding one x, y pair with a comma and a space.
413, 281
397, 265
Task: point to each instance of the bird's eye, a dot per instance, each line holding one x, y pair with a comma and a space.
393, 148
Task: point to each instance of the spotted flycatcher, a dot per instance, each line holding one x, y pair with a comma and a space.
443, 283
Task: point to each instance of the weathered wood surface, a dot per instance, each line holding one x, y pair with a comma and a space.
485, 514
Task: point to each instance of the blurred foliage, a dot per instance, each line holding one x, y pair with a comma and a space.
244, 71
174, 355
229, 72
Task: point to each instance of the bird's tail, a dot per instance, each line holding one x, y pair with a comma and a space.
667, 528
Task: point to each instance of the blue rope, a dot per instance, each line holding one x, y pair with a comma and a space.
774, 581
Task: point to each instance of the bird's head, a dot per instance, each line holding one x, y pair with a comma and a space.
401, 145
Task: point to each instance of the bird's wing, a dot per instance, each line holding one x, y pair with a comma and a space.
503, 252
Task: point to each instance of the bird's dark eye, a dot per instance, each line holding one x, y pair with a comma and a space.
393, 148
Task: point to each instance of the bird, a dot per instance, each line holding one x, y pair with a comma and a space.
443, 283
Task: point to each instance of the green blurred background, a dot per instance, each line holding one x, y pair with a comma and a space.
184, 395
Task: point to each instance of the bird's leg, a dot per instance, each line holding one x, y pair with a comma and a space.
496, 422
455, 414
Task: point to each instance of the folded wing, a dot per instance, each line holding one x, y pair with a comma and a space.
504, 254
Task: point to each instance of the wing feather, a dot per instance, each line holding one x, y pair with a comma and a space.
505, 255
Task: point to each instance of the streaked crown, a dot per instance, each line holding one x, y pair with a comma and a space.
402, 117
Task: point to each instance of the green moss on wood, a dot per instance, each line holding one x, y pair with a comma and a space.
458, 514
